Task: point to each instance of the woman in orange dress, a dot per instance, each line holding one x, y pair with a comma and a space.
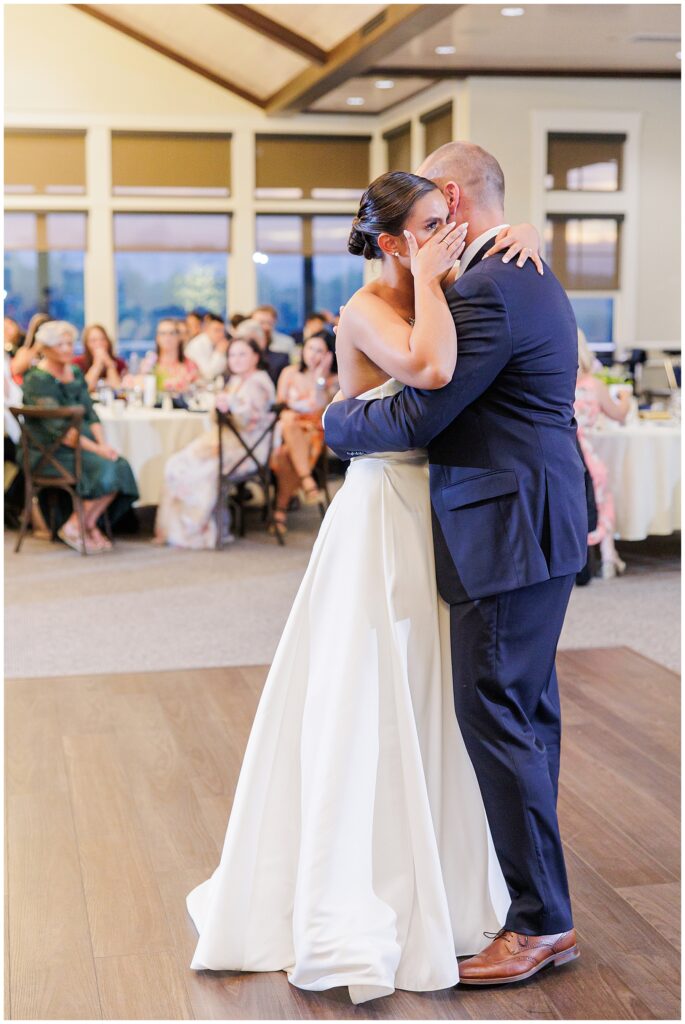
306, 390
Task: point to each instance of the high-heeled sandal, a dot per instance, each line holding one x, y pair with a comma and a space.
278, 525
311, 495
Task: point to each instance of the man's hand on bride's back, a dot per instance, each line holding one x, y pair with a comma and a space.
437, 256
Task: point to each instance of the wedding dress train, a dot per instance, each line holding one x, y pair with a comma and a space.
358, 851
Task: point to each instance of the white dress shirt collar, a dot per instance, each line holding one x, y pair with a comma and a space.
476, 245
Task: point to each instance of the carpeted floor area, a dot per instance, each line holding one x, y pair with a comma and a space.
143, 608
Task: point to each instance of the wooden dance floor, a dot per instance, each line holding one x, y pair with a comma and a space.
117, 795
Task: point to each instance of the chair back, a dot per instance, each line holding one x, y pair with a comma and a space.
28, 416
254, 465
657, 377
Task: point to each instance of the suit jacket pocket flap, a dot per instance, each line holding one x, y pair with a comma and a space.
480, 488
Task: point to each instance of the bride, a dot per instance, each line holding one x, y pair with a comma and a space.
358, 852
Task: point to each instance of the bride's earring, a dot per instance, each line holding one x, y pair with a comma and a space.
396, 254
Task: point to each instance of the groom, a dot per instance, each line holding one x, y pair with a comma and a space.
510, 533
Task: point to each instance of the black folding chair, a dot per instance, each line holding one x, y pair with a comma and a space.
38, 479
232, 490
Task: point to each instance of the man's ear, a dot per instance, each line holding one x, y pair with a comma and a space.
391, 245
452, 194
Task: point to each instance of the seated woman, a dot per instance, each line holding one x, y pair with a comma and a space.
185, 517
169, 363
592, 398
99, 362
306, 390
107, 481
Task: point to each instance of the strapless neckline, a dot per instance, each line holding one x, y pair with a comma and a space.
385, 390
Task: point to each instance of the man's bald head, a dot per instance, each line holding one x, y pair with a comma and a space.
473, 169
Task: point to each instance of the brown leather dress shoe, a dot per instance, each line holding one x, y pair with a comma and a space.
513, 957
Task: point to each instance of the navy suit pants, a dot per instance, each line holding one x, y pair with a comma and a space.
506, 698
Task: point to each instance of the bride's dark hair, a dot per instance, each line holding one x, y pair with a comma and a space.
384, 207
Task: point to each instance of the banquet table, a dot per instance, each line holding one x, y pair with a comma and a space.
643, 460
147, 437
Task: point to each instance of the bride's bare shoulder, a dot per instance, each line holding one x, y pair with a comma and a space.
364, 307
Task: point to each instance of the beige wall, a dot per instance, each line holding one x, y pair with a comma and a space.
500, 120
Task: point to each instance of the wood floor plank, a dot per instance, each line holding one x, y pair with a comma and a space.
147, 764
624, 807
143, 987
659, 905
168, 811
52, 973
125, 910
33, 740
614, 855
618, 930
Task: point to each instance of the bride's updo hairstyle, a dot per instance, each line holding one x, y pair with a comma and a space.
385, 207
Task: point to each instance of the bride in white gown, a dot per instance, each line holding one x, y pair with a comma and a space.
358, 852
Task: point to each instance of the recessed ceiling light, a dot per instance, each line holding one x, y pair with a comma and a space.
444, 50
512, 12
355, 101
385, 83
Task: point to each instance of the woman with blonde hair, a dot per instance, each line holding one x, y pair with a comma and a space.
592, 398
106, 482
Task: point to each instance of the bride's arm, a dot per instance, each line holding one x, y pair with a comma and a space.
422, 356
521, 238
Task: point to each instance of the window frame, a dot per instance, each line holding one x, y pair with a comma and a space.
624, 202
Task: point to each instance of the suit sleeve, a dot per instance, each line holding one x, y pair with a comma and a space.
412, 418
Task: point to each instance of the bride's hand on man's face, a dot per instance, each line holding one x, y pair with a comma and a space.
522, 241
438, 254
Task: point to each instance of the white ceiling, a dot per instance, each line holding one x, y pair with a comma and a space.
555, 38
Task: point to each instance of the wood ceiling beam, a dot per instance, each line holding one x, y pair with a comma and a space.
505, 72
273, 30
166, 51
383, 34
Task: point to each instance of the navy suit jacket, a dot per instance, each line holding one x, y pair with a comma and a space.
506, 480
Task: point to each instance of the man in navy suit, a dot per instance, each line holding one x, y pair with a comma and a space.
510, 532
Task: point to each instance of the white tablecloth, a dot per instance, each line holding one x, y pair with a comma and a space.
643, 460
147, 437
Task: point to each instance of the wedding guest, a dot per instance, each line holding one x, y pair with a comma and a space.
267, 317
14, 336
306, 390
236, 319
28, 354
194, 323
182, 331
208, 348
186, 515
274, 362
99, 361
107, 482
592, 398
173, 370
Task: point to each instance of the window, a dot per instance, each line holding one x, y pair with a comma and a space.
398, 146
583, 251
303, 264
170, 164
167, 264
49, 163
438, 127
584, 162
586, 194
595, 317
311, 167
44, 256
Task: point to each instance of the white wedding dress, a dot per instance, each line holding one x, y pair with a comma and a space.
358, 852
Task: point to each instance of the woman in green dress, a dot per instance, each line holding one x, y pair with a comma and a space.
107, 481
